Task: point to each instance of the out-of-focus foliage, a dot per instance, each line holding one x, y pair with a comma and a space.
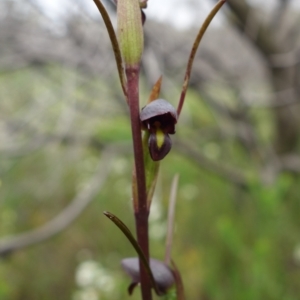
237, 216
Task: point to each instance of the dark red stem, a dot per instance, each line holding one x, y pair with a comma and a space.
141, 209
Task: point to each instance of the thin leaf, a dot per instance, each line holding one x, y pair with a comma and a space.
135, 245
114, 43
194, 50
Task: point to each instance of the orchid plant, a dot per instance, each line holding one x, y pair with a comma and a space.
150, 128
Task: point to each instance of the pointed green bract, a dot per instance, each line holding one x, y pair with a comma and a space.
130, 31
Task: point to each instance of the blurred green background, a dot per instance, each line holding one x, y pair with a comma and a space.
65, 140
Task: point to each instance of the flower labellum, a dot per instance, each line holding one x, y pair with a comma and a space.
159, 118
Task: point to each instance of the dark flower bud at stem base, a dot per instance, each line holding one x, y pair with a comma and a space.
159, 118
163, 275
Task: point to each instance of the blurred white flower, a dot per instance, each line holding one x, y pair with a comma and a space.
86, 272
92, 278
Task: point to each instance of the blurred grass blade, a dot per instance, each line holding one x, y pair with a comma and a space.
171, 216
114, 43
135, 245
194, 50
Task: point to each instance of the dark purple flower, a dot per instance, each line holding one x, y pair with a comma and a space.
159, 118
